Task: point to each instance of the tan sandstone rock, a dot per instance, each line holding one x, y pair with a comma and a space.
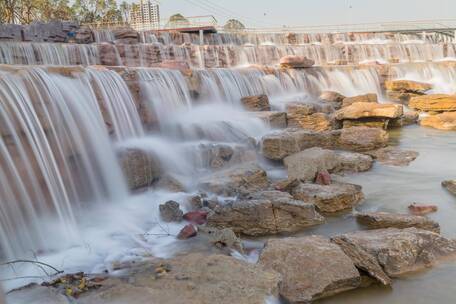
434, 103
359, 110
256, 103
378, 220
444, 121
296, 62
407, 86
360, 98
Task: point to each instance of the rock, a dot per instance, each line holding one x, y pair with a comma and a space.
377, 220
381, 123
222, 238
306, 164
170, 212
126, 36
333, 97
217, 156
285, 185
420, 209
296, 62
407, 86
108, 54
169, 183
362, 139
393, 156
140, 168
400, 251
310, 116
323, 178
444, 121
450, 185
359, 110
274, 119
329, 198
192, 279
84, 35
198, 217
360, 98
244, 177
267, 212
362, 260
401, 97
311, 268
256, 103
279, 144
187, 232
434, 103
35, 293
409, 118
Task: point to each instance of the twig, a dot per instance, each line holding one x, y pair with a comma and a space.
36, 263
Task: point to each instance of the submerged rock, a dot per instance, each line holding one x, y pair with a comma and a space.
400, 251
245, 177
191, 279
266, 212
393, 156
434, 103
421, 209
279, 144
256, 103
377, 220
450, 185
444, 121
311, 267
329, 198
170, 212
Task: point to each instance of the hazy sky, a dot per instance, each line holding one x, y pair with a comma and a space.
264, 13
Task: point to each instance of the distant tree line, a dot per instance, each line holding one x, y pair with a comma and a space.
85, 11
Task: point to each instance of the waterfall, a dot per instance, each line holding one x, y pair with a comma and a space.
56, 158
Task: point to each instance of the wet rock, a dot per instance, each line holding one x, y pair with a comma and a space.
285, 185
306, 164
421, 209
393, 156
169, 183
198, 217
377, 220
274, 119
256, 103
311, 268
381, 123
244, 177
187, 232
84, 35
108, 54
359, 110
444, 121
217, 156
450, 185
126, 36
371, 98
434, 103
170, 212
409, 118
266, 212
193, 279
407, 86
323, 178
333, 97
400, 97
310, 116
140, 168
329, 198
35, 292
296, 62
364, 261
400, 251
279, 144
222, 238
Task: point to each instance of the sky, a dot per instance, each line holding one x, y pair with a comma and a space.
277, 13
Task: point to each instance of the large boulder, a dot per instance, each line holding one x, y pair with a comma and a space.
400, 251
274, 119
331, 198
371, 98
359, 110
244, 177
279, 144
311, 267
443, 121
393, 156
377, 220
407, 86
256, 103
141, 168
262, 213
434, 103
296, 62
306, 164
192, 279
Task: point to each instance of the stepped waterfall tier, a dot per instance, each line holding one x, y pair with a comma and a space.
230, 167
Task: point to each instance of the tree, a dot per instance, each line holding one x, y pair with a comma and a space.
177, 21
125, 11
234, 25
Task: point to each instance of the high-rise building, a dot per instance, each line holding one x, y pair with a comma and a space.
145, 15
